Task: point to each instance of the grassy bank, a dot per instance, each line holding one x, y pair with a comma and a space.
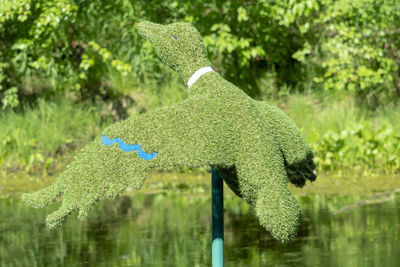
345, 138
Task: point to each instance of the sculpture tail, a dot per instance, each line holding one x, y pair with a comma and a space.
279, 212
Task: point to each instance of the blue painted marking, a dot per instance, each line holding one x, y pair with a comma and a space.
176, 38
125, 147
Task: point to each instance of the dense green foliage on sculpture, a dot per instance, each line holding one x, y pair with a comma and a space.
256, 148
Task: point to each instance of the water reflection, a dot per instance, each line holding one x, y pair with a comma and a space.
175, 230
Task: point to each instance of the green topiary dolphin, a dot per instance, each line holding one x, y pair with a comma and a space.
255, 147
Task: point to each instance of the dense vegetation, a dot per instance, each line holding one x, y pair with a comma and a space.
340, 58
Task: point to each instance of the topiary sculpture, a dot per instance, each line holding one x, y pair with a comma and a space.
255, 147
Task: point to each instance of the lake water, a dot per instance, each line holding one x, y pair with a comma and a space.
175, 230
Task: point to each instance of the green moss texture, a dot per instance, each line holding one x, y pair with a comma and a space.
255, 147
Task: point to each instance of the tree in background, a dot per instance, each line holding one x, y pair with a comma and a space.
89, 49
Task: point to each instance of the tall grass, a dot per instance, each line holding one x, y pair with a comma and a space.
317, 115
46, 131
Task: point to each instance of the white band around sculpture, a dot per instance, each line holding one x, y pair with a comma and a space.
197, 75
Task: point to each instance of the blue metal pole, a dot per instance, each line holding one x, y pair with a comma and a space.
217, 219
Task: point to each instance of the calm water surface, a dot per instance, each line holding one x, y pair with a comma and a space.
175, 230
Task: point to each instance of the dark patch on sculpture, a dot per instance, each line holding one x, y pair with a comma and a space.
125, 147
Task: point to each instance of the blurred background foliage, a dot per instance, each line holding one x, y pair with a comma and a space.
331, 65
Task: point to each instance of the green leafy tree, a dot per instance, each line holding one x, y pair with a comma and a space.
357, 50
83, 47
30, 49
